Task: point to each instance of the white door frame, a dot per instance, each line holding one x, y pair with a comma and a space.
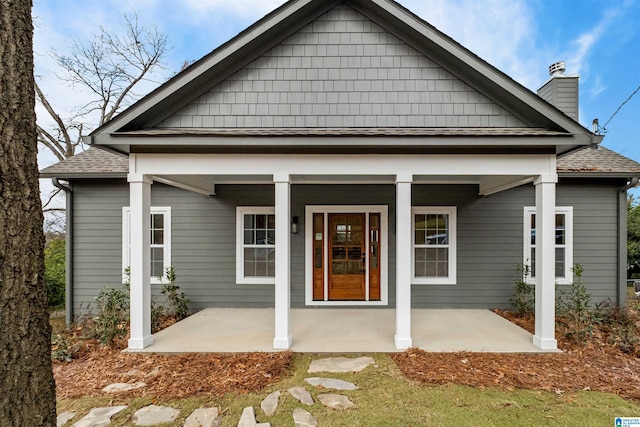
383, 210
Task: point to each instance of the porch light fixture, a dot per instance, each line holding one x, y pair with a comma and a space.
294, 225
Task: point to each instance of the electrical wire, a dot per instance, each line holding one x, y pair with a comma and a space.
604, 127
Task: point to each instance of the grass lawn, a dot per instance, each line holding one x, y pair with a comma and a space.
386, 398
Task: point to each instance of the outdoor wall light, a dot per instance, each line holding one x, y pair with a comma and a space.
294, 225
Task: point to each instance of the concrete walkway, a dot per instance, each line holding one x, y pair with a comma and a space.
319, 330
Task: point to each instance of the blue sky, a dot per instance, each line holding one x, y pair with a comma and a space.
598, 39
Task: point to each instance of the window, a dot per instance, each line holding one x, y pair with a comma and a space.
434, 245
255, 245
160, 242
563, 243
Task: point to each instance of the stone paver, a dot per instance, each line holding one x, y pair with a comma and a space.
301, 394
63, 418
270, 403
303, 418
335, 401
116, 387
331, 383
204, 417
99, 417
153, 414
340, 364
248, 419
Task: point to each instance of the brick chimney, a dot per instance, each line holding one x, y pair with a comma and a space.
561, 90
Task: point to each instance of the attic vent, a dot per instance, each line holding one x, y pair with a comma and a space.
557, 68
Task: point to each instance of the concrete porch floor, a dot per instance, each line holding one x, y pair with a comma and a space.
342, 331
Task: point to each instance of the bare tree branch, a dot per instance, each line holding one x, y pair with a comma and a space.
108, 66
51, 196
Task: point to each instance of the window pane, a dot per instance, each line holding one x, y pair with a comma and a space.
157, 262
420, 237
157, 220
261, 221
533, 229
157, 237
533, 262
249, 222
431, 262
259, 262
560, 262
271, 222
560, 229
249, 237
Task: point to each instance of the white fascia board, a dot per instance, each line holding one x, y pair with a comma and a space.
190, 183
328, 164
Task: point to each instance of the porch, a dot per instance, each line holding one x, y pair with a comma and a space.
319, 330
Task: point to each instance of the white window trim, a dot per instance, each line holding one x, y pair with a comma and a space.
384, 253
126, 240
451, 279
241, 211
567, 211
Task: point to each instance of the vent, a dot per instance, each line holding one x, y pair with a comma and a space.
557, 68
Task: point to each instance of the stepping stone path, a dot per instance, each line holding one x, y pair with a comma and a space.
340, 364
153, 415
115, 388
331, 383
303, 418
301, 394
270, 403
335, 401
210, 417
99, 417
204, 417
248, 419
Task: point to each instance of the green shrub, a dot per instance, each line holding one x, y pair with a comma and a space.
179, 304
113, 315
573, 308
54, 271
523, 300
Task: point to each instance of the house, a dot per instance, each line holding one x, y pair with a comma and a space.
346, 153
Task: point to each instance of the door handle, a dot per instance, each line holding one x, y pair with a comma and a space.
364, 263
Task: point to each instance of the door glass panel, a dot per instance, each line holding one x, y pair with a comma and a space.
339, 267
339, 252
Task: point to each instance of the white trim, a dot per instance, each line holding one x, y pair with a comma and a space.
451, 279
126, 240
240, 212
383, 210
418, 165
567, 211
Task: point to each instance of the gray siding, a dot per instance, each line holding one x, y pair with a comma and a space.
342, 70
490, 239
562, 92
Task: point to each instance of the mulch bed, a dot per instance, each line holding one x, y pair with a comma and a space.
592, 366
169, 376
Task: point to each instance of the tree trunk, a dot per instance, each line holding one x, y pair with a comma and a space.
27, 389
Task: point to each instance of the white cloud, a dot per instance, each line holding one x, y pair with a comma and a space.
502, 32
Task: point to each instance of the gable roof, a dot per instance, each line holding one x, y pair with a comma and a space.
586, 162
293, 15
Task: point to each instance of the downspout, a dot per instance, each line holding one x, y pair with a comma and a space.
68, 289
622, 240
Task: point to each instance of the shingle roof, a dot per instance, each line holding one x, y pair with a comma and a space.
94, 162
597, 161
98, 163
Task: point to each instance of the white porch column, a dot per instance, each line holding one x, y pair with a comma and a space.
545, 303
282, 339
402, 338
140, 296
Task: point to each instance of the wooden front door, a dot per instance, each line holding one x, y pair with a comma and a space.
347, 257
